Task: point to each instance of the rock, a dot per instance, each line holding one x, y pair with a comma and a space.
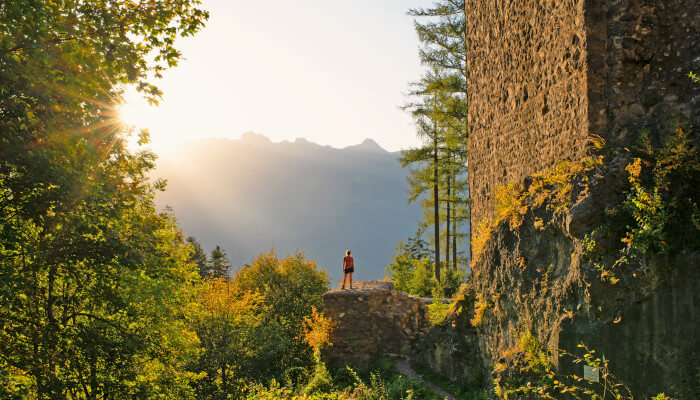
637, 109
581, 216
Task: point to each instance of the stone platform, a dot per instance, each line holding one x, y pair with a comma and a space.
373, 320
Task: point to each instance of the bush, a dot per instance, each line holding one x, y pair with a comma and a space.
417, 276
383, 384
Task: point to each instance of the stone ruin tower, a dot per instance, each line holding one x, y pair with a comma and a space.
545, 75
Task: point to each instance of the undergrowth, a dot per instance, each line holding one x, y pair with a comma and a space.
659, 216
320, 383
472, 391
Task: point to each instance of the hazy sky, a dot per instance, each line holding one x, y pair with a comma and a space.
331, 71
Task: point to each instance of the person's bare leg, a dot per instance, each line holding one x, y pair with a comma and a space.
344, 278
350, 280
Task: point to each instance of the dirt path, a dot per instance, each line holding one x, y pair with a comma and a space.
405, 368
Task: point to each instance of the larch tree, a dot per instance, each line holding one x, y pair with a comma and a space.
441, 30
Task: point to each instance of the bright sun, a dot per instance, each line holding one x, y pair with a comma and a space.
131, 115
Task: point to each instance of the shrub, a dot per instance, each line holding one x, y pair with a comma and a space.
417, 276
438, 311
509, 204
665, 182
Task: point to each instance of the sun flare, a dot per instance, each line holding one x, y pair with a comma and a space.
132, 115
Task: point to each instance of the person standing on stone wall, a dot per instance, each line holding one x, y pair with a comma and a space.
348, 268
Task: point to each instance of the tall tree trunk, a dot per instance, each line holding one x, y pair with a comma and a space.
454, 242
436, 206
447, 225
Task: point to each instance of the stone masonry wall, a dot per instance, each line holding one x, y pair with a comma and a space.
639, 55
544, 75
372, 321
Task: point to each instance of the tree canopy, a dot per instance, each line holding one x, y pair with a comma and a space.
95, 282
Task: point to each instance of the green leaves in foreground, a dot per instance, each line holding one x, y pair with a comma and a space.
94, 285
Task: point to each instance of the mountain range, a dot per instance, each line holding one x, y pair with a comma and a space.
251, 194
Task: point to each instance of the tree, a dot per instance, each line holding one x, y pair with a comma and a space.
218, 264
226, 323
251, 326
94, 282
198, 256
291, 287
426, 175
441, 94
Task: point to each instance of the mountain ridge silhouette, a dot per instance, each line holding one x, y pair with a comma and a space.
251, 194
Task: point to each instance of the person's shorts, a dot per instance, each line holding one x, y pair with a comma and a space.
349, 270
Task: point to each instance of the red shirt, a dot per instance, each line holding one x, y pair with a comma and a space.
349, 262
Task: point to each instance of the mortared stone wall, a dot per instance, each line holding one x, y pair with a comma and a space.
545, 75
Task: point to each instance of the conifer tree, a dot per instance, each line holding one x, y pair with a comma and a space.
423, 164
198, 256
219, 263
441, 30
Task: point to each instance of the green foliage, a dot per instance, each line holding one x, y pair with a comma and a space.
94, 285
437, 169
535, 356
381, 384
509, 204
292, 287
662, 201
659, 216
473, 391
198, 256
694, 77
215, 266
438, 312
218, 264
416, 276
253, 326
226, 321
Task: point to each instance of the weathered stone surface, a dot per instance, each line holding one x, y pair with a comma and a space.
653, 343
581, 216
546, 75
539, 281
373, 320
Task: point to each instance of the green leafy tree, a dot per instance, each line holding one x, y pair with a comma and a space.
292, 286
226, 323
416, 276
94, 285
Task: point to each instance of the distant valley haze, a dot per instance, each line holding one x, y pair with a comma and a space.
251, 194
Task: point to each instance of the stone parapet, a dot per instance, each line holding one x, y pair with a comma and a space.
373, 320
